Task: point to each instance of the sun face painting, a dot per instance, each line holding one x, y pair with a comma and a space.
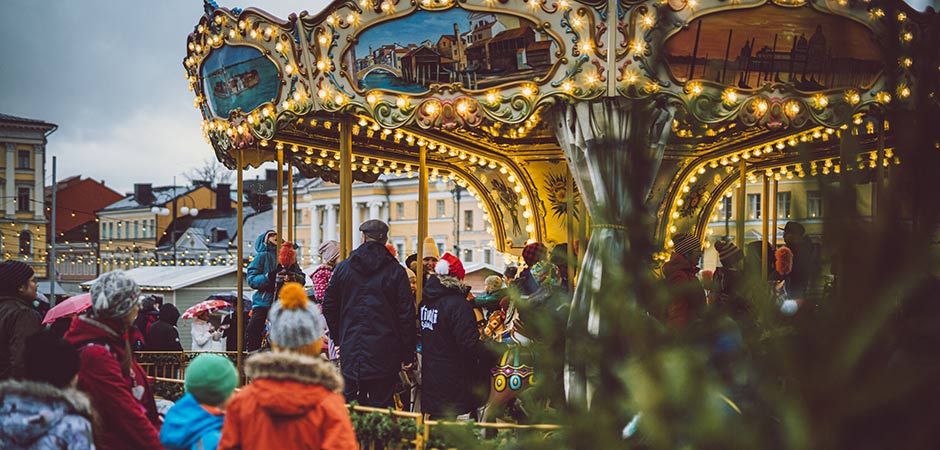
771, 44
475, 50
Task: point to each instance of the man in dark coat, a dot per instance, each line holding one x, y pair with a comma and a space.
164, 336
804, 259
18, 289
370, 313
451, 348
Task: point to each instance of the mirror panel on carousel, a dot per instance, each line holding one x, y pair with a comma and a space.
239, 77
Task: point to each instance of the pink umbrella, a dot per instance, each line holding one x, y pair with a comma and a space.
68, 307
205, 306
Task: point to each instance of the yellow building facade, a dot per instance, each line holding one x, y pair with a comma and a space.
455, 219
22, 172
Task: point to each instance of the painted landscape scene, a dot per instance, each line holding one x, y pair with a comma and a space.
239, 77
750, 48
476, 50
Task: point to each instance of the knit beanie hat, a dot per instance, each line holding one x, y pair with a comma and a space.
728, 253
784, 261
410, 273
534, 253
685, 243
50, 359
430, 248
14, 274
451, 266
294, 321
329, 251
113, 295
493, 283
211, 379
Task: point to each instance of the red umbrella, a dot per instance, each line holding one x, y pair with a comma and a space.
205, 306
69, 306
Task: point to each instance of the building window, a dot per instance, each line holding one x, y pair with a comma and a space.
813, 204
467, 254
26, 243
468, 220
400, 209
783, 205
488, 255
136, 230
23, 160
110, 230
726, 208
153, 228
440, 208
440, 246
400, 248
753, 206
22, 200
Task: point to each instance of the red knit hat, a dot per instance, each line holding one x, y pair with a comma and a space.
451, 266
287, 256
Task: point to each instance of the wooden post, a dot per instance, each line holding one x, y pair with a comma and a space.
345, 187
240, 274
422, 216
765, 224
279, 219
290, 201
740, 206
773, 218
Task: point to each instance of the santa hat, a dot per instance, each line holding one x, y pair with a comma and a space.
451, 266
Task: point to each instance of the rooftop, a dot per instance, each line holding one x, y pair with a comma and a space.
171, 278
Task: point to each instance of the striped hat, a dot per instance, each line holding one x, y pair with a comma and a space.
728, 253
685, 243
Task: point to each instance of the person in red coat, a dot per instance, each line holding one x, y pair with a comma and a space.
687, 293
117, 385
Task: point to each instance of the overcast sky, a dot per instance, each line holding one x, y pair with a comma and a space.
110, 75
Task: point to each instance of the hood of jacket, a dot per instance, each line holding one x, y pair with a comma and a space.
370, 256
29, 410
87, 329
291, 384
438, 286
261, 246
186, 422
169, 314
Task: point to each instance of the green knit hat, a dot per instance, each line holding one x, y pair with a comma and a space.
211, 378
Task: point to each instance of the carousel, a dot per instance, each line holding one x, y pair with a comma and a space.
569, 121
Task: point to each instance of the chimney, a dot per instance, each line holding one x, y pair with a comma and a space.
143, 193
223, 197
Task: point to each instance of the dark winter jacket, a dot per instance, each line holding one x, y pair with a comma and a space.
451, 350
526, 282
263, 271
804, 267
39, 416
190, 426
164, 336
686, 291
370, 312
17, 322
124, 401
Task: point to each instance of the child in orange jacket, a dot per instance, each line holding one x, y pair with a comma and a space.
295, 398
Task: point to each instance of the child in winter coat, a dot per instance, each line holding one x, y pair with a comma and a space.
295, 399
494, 292
46, 412
206, 337
195, 421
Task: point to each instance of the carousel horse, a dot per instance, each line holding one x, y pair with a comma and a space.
512, 375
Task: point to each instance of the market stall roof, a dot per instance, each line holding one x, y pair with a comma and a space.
171, 278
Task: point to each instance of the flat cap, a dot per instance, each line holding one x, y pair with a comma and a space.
375, 229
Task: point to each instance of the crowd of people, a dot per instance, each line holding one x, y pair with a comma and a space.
350, 342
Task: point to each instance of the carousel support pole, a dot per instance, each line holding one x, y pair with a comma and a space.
290, 201
279, 218
773, 216
765, 225
570, 209
879, 209
422, 216
345, 187
740, 206
240, 274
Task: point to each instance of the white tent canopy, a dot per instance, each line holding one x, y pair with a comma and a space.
171, 278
